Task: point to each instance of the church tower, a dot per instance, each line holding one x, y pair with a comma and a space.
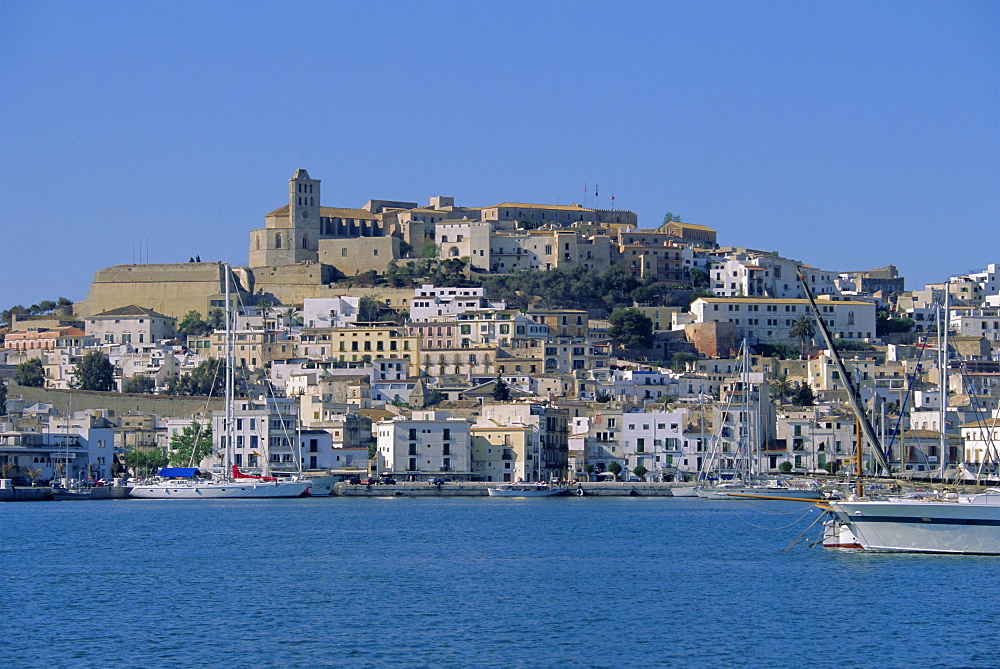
303, 215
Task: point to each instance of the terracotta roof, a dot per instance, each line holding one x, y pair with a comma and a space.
130, 310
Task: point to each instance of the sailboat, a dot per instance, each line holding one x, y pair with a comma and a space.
949, 523
183, 483
746, 481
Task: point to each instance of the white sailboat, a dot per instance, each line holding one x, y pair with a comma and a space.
950, 523
182, 482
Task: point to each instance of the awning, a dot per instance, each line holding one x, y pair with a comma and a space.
178, 472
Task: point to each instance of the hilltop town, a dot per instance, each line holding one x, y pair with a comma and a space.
508, 342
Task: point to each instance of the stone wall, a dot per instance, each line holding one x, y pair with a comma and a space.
172, 289
120, 403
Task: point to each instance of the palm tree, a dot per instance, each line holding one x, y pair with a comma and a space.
265, 306
781, 386
33, 473
804, 330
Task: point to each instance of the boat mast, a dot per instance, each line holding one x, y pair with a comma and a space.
943, 380
853, 391
226, 452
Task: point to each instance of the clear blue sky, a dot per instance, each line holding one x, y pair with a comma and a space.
848, 135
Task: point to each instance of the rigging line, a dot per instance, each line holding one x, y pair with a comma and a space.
783, 527
760, 506
796, 540
896, 430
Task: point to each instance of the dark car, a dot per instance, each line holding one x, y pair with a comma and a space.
386, 480
354, 480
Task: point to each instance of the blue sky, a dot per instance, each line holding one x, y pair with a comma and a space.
847, 135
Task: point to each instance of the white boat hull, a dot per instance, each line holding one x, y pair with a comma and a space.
321, 486
228, 490
751, 492
924, 526
524, 492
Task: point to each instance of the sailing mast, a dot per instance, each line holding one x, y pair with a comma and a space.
227, 451
853, 391
943, 378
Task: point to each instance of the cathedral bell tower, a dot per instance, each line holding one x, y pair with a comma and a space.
303, 215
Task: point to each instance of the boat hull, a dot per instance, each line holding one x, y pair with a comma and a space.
234, 490
923, 527
761, 492
518, 491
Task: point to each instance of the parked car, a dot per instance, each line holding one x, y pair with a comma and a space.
371, 480
354, 480
387, 480
436, 480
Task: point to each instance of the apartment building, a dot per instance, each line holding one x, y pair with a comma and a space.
428, 443
771, 320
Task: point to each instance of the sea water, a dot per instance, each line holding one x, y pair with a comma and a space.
414, 582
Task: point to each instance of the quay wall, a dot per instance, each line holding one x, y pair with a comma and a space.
480, 490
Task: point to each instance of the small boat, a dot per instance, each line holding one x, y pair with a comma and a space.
525, 490
61, 494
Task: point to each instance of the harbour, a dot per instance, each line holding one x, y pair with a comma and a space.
460, 582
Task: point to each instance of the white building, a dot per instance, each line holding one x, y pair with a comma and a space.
330, 312
429, 443
653, 440
771, 320
748, 273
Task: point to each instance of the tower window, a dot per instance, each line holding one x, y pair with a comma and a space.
277, 241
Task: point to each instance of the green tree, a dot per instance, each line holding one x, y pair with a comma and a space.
501, 391
670, 217
630, 328
192, 325
640, 471
588, 469
369, 309
192, 445
680, 360
139, 384
216, 320
144, 460
30, 373
3, 398
803, 329
785, 467
265, 306
94, 372
615, 469
602, 397
699, 278
208, 379
886, 323
803, 396
782, 386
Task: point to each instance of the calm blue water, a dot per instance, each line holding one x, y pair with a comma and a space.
579, 582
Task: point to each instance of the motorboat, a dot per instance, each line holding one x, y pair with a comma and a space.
525, 489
